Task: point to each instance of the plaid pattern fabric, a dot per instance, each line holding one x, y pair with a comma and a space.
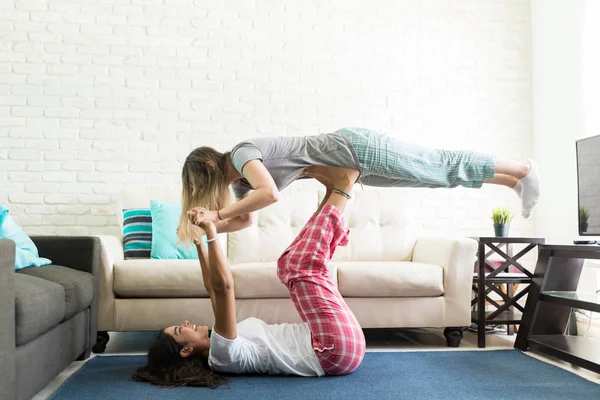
337, 337
389, 162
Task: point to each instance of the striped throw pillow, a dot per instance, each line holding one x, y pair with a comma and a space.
137, 233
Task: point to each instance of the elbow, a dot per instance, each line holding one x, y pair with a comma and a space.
247, 220
273, 196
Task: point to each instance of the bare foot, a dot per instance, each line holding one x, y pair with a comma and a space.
332, 177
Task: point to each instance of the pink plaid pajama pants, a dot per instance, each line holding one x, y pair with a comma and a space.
337, 337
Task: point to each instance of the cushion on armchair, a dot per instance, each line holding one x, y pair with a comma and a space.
26, 254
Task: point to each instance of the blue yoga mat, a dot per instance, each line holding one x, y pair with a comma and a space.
447, 375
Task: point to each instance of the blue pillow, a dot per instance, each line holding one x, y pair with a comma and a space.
165, 220
26, 254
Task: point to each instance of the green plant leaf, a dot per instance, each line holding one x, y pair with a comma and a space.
584, 215
502, 215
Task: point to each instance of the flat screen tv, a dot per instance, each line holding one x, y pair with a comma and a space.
588, 185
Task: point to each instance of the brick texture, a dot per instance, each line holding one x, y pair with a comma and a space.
99, 94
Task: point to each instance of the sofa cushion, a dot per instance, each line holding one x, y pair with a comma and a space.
390, 279
78, 285
384, 225
158, 279
260, 281
39, 306
274, 229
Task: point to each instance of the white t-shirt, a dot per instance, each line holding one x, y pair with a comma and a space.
281, 349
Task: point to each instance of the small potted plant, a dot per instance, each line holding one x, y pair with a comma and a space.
584, 215
501, 218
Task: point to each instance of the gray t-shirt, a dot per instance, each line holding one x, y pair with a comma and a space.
286, 157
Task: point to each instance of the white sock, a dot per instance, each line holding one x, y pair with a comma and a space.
530, 189
518, 188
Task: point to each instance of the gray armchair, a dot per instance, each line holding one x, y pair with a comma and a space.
48, 315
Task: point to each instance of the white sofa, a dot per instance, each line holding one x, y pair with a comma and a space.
390, 275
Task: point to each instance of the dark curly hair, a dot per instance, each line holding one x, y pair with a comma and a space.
167, 368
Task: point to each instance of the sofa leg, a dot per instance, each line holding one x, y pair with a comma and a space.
85, 355
101, 342
453, 336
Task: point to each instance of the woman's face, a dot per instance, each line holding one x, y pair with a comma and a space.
191, 337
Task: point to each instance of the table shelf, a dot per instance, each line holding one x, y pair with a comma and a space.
505, 317
504, 279
549, 308
573, 299
578, 350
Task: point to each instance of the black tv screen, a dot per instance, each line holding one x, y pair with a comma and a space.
588, 185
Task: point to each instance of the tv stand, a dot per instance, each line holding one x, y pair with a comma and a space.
586, 241
552, 295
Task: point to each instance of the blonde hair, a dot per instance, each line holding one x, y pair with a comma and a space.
202, 186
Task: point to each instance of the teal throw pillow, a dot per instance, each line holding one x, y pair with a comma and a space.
165, 220
137, 233
26, 254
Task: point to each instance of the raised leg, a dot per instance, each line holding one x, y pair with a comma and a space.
503, 180
515, 168
336, 335
523, 177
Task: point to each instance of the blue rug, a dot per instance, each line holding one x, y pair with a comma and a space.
447, 375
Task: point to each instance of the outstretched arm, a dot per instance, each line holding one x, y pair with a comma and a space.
221, 281
203, 257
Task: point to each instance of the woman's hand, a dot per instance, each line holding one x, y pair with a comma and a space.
198, 214
208, 227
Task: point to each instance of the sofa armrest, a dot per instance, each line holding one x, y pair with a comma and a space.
7, 320
77, 252
111, 251
457, 256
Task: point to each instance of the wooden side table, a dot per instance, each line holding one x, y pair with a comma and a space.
552, 296
485, 283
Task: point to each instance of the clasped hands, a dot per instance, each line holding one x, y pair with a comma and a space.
199, 214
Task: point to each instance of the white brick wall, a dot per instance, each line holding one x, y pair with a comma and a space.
99, 94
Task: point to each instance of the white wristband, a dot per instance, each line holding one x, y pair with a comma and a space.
211, 240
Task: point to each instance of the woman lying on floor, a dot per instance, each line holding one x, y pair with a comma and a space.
329, 342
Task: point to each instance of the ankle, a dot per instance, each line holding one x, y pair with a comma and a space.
342, 193
524, 170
